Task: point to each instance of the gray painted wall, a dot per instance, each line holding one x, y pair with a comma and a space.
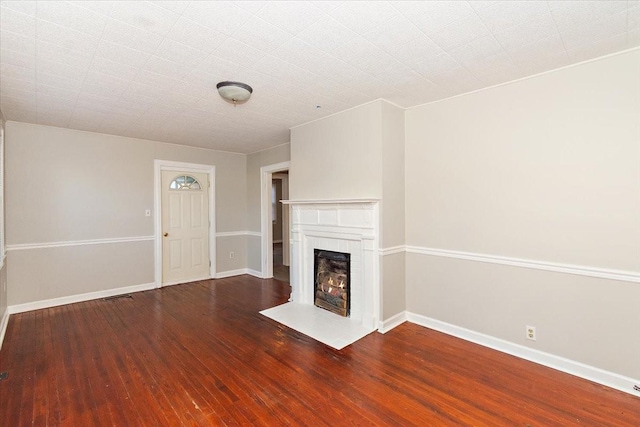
64, 185
392, 210
3, 263
544, 169
338, 157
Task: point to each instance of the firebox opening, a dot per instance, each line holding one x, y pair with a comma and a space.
332, 273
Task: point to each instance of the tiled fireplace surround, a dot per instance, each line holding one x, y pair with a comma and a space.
349, 226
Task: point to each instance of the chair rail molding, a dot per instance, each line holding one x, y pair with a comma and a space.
238, 233
602, 273
45, 245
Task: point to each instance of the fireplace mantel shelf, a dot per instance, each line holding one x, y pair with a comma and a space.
329, 201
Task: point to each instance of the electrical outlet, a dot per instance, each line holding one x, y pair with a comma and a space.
531, 333
231, 255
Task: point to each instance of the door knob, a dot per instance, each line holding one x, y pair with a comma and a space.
165, 234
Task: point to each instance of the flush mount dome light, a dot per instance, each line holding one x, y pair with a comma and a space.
234, 92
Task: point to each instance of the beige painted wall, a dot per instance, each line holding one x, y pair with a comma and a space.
235, 244
255, 161
64, 185
393, 192
3, 291
392, 215
338, 157
43, 274
393, 277
544, 169
589, 320
3, 263
4, 314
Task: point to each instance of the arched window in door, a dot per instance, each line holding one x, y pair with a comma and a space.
185, 182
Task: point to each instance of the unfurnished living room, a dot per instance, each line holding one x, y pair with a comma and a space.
320, 213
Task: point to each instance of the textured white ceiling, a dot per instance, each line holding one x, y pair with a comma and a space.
148, 69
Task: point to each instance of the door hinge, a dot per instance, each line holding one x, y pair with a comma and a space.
209, 263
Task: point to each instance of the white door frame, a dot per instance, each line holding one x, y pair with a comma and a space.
158, 167
266, 173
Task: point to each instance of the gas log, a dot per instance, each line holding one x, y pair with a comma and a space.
332, 277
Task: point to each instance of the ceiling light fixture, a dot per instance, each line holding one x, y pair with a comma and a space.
234, 92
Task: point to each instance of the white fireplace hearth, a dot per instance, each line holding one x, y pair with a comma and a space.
349, 226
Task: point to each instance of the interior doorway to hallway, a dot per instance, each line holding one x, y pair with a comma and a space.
280, 222
268, 209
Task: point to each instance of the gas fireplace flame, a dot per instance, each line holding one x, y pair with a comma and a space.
331, 287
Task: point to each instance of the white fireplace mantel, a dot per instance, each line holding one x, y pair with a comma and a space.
350, 226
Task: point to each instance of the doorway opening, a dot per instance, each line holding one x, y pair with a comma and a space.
269, 206
280, 229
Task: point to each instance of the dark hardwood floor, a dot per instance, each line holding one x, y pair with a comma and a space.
201, 354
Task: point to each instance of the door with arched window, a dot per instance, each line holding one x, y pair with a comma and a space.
185, 227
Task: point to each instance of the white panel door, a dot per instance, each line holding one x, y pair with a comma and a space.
185, 227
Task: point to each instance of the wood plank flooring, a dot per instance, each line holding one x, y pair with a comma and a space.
200, 354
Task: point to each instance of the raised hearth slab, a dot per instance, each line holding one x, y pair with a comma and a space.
321, 325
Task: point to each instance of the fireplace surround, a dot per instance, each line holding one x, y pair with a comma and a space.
345, 226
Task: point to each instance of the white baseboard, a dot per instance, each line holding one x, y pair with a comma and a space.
231, 273
591, 373
182, 282
397, 320
238, 272
54, 302
4, 322
254, 273
37, 305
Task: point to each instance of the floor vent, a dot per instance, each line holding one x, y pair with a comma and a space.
4, 375
117, 297
636, 387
